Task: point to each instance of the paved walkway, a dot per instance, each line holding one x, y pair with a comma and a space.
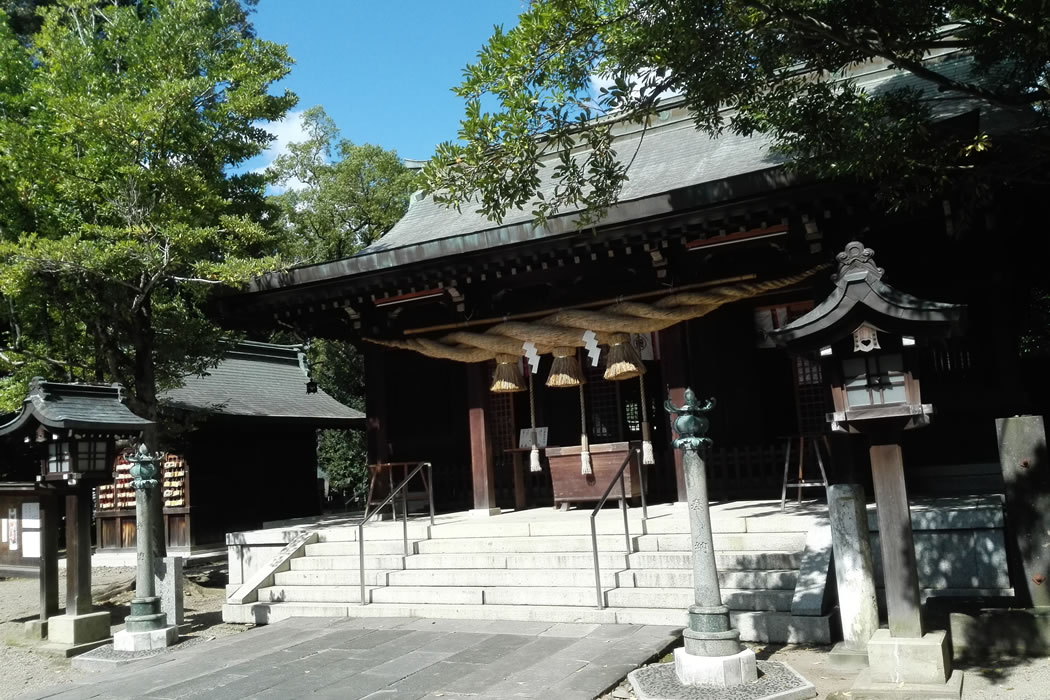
388, 659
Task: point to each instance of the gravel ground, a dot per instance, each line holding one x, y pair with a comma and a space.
1006, 678
23, 668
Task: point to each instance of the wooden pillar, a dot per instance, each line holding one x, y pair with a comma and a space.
482, 465
78, 552
48, 557
378, 444
675, 368
899, 568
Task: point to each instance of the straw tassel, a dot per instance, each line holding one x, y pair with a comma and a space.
585, 447
534, 453
565, 370
623, 360
647, 443
507, 377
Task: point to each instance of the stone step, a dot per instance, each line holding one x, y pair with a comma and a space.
562, 560
292, 588
340, 548
774, 579
767, 627
347, 562
375, 531
521, 545
605, 524
764, 541
488, 595
312, 594
499, 577
329, 577
682, 598
726, 560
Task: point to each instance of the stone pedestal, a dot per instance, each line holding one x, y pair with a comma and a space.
854, 577
908, 667
909, 659
75, 630
146, 640
719, 671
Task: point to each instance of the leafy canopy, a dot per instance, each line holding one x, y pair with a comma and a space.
119, 124
339, 196
747, 66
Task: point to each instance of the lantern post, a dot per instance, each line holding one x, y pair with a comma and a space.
867, 334
712, 654
146, 627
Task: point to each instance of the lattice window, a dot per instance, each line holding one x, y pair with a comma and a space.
602, 399
501, 422
811, 396
633, 415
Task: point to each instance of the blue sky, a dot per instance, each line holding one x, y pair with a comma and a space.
381, 69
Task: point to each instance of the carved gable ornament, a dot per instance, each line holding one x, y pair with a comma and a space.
865, 338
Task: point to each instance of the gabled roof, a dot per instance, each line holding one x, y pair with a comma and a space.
861, 296
674, 167
266, 381
86, 407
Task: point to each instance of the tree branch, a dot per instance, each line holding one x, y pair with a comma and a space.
842, 37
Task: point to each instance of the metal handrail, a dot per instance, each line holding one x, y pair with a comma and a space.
635, 452
403, 489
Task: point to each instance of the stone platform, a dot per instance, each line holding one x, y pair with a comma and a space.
351, 659
776, 681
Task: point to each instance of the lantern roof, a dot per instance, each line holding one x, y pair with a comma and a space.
87, 407
860, 296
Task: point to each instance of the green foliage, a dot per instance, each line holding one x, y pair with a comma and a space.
746, 66
118, 124
341, 196
342, 454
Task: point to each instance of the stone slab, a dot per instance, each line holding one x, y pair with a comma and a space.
776, 681
921, 660
168, 585
996, 632
867, 689
812, 594
846, 657
69, 651
483, 512
75, 630
854, 575
718, 671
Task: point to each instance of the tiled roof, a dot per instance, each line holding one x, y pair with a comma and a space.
669, 157
264, 381
75, 406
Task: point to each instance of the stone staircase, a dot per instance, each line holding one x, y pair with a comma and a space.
541, 568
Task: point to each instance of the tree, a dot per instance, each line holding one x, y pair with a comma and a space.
746, 66
118, 125
340, 196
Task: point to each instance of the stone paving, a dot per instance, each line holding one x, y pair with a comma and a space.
388, 659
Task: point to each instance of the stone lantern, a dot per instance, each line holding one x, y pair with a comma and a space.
868, 335
68, 433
